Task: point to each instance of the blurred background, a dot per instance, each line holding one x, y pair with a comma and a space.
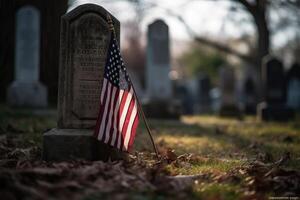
205, 37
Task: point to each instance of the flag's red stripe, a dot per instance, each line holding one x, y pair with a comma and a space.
116, 118
127, 119
102, 124
115, 103
110, 113
101, 109
133, 131
107, 112
123, 101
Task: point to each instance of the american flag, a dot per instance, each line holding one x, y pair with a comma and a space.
118, 116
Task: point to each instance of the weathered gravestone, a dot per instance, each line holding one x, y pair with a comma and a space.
250, 96
273, 107
228, 107
158, 83
85, 37
203, 93
26, 90
293, 87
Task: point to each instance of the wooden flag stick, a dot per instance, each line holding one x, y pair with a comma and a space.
140, 109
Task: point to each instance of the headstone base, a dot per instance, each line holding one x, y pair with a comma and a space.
27, 94
280, 112
160, 109
230, 111
70, 144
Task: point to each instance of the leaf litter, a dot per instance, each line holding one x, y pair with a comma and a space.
23, 175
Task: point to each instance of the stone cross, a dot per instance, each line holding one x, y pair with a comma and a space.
26, 90
85, 37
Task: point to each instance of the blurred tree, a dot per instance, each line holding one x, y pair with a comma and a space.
199, 59
259, 10
134, 52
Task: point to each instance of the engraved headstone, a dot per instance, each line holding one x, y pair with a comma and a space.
85, 37
229, 106
158, 61
273, 107
293, 87
26, 90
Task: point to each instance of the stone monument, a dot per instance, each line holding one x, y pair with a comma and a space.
273, 107
228, 107
85, 37
26, 90
158, 83
293, 87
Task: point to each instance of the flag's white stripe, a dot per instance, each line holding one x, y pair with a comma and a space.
123, 116
103, 89
129, 128
116, 111
110, 115
101, 130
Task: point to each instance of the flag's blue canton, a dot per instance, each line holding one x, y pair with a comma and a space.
115, 70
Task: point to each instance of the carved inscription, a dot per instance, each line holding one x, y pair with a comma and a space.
89, 56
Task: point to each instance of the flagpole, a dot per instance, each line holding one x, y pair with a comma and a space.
145, 121
111, 27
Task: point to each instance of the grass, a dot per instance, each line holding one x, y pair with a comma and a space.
220, 144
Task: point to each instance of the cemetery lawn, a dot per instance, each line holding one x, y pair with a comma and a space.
202, 157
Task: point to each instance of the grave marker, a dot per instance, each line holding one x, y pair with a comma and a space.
273, 107
85, 37
228, 107
26, 90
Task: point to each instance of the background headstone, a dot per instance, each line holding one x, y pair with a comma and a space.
26, 90
229, 106
293, 87
273, 77
85, 37
204, 99
159, 102
158, 61
250, 96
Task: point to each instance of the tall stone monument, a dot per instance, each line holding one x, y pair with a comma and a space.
293, 87
273, 107
229, 106
158, 83
158, 61
26, 90
85, 37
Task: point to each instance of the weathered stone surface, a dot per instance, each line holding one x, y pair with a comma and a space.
68, 144
85, 38
26, 90
158, 62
